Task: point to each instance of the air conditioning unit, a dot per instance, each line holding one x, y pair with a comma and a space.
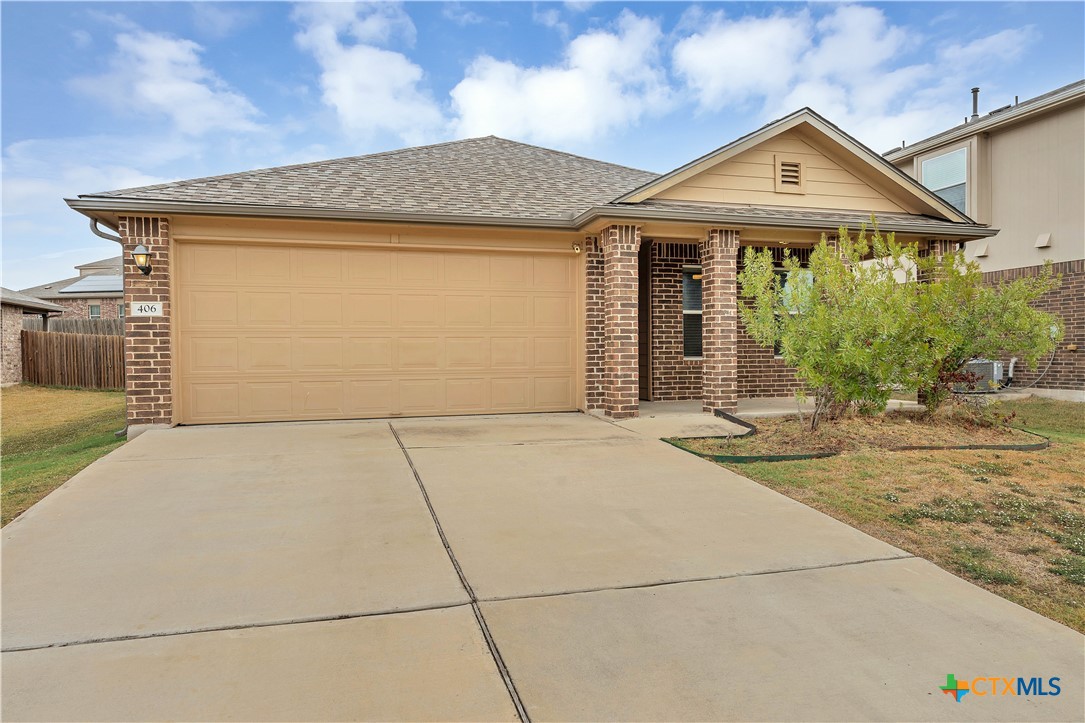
988, 377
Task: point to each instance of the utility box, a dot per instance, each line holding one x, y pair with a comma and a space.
988, 377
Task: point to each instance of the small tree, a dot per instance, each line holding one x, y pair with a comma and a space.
965, 318
870, 315
843, 323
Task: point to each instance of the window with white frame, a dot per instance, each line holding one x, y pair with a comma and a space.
691, 312
120, 310
947, 176
95, 311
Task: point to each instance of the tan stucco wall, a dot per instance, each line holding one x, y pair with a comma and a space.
11, 354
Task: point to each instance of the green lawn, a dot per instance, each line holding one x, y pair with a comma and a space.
49, 434
1010, 521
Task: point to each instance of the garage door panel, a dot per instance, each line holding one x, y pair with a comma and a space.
368, 267
311, 333
313, 309
370, 353
319, 397
372, 311
269, 399
421, 396
207, 309
318, 266
509, 352
264, 308
318, 353
464, 311
259, 265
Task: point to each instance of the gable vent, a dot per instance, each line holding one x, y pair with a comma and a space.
790, 175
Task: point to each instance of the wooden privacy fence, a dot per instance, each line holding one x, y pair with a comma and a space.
114, 327
90, 361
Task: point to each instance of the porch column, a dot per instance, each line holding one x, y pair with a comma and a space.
719, 317
621, 390
148, 351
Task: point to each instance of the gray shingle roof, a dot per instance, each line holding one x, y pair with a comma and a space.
780, 215
15, 298
484, 177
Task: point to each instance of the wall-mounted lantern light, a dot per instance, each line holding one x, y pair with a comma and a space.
576, 248
142, 257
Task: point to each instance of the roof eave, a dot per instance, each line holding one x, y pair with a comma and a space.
739, 220
87, 205
1023, 111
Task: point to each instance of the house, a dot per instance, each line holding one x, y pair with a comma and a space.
1021, 169
13, 306
479, 276
96, 293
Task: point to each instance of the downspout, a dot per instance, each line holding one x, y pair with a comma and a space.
99, 232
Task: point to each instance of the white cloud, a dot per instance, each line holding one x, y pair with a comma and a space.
605, 82
372, 89
161, 75
845, 66
460, 15
81, 38
731, 61
218, 21
550, 18
1005, 46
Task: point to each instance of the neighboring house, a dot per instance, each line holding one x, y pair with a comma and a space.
1021, 169
480, 276
13, 306
96, 293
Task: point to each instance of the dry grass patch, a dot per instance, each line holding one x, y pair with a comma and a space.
904, 428
1012, 522
48, 435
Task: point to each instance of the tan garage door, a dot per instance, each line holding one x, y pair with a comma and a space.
285, 333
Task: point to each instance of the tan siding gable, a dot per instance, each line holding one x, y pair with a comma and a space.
749, 177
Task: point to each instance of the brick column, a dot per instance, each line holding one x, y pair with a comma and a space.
148, 353
719, 335
594, 327
621, 391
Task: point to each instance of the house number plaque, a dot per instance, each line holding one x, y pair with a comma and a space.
145, 308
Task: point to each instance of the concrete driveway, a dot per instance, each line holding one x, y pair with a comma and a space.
552, 567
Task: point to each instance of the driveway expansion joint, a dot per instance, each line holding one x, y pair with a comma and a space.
239, 626
491, 644
710, 578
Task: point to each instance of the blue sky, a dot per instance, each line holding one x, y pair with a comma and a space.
98, 96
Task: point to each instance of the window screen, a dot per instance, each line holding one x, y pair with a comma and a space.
95, 311
947, 176
691, 313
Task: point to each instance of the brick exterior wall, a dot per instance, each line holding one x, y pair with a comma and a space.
1067, 370
621, 385
760, 373
674, 377
11, 344
80, 308
594, 318
147, 346
719, 292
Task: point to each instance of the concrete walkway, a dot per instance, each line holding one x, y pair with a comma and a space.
551, 567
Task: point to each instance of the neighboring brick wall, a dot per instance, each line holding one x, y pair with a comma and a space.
11, 344
1068, 301
594, 318
719, 290
80, 308
673, 376
622, 389
147, 348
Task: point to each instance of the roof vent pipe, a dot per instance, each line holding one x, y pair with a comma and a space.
975, 103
